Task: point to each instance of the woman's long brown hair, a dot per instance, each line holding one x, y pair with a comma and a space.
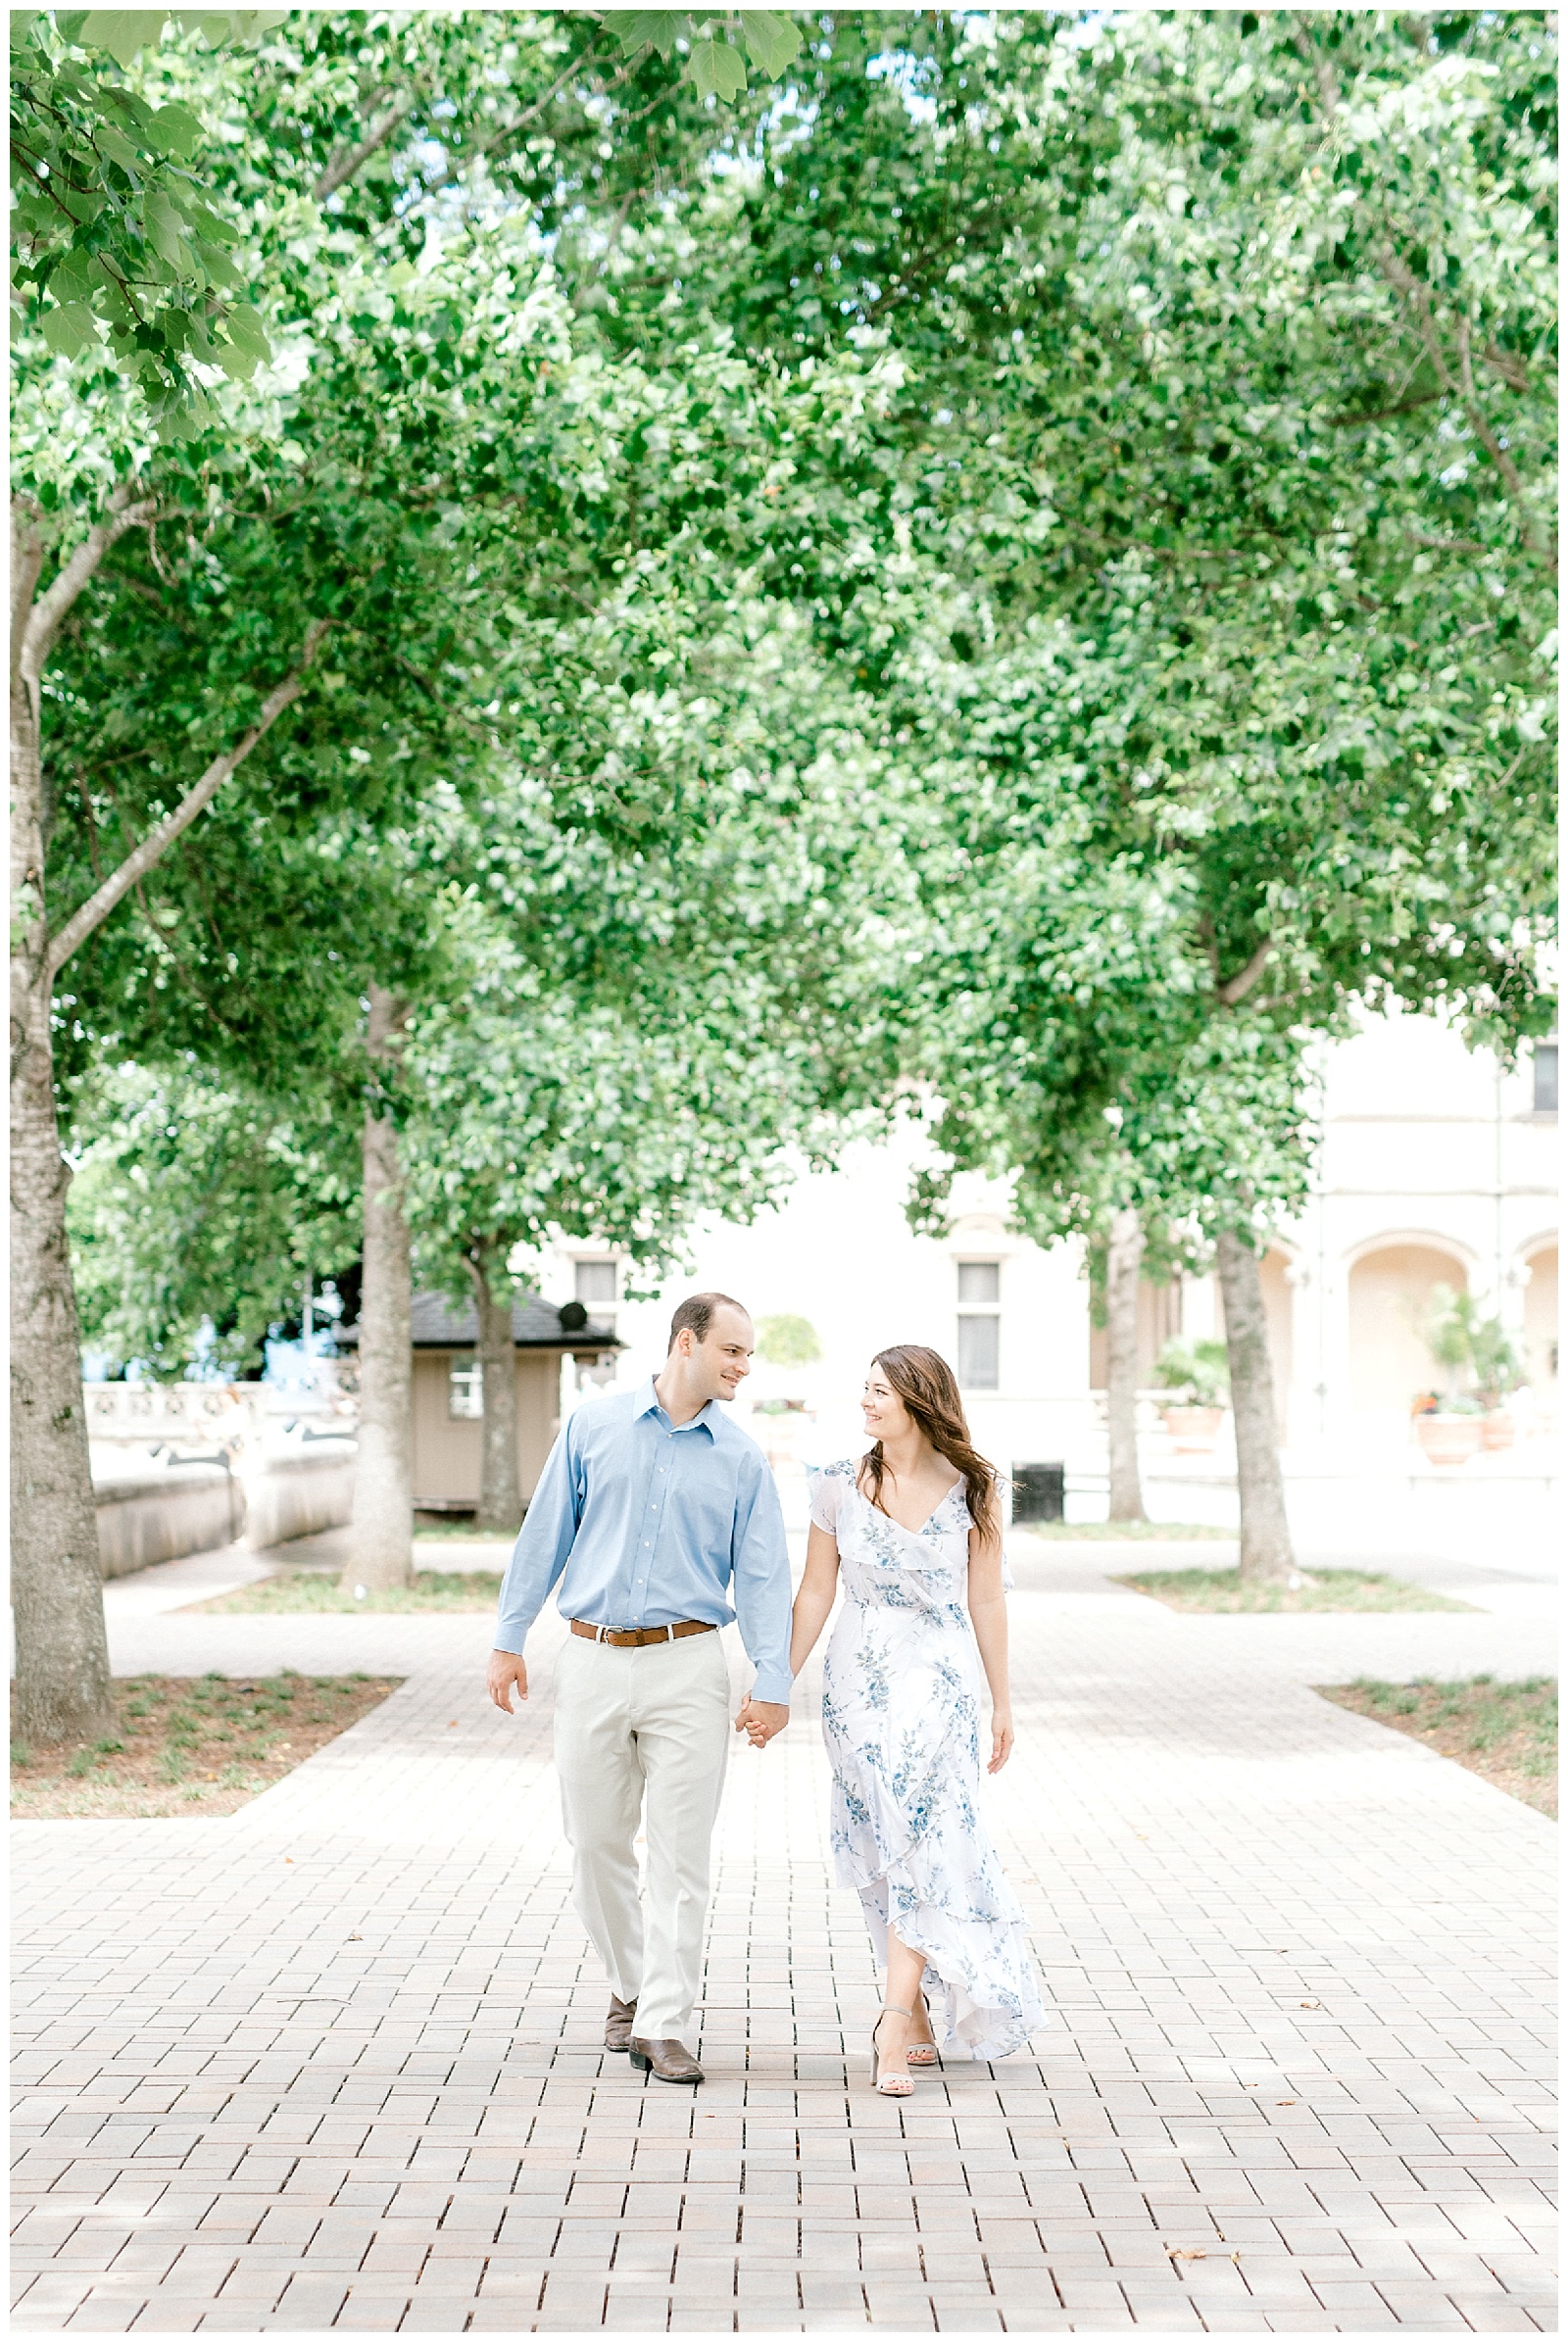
926, 1384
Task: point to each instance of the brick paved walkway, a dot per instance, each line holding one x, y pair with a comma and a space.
333, 2061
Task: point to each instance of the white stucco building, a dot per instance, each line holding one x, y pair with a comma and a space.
1436, 1167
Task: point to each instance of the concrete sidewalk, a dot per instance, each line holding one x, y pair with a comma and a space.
333, 2061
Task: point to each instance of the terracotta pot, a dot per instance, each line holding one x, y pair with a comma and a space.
1194, 1429
1498, 1429
1448, 1439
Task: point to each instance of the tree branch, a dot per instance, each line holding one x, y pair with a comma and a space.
27, 566
574, 65
1508, 364
98, 906
348, 158
1417, 297
387, 1022
125, 511
1507, 469
1242, 983
1378, 415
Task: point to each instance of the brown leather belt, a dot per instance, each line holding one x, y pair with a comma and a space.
633, 1638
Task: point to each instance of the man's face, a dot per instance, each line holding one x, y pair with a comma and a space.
723, 1361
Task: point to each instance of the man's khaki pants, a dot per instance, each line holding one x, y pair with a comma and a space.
629, 1722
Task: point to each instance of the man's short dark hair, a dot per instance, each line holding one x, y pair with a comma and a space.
698, 1313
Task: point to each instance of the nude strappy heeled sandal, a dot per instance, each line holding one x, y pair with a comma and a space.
924, 2053
891, 2085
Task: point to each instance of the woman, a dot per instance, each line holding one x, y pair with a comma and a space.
913, 1526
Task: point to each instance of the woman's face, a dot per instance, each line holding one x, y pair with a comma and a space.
885, 1413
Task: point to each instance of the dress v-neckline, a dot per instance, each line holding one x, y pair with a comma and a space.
898, 1524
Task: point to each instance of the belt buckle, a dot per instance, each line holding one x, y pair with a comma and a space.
603, 1634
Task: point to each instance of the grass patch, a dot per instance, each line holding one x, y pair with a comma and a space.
295, 1590
1122, 1532
1508, 1733
190, 1744
1319, 1589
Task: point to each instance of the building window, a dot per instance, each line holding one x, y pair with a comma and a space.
465, 1391
597, 1281
596, 1284
1545, 1077
979, 1354
980, 1325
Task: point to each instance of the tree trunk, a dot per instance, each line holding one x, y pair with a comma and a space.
500, 1487
1266, 1554
61, 1649
382, 1551
1123, 1259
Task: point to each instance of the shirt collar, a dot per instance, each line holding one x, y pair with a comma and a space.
648, 1404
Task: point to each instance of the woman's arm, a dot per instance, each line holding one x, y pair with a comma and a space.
987, 1615
815, 1597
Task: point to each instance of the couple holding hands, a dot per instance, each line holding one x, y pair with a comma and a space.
658, 1519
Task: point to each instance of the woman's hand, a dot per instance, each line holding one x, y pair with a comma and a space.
1001, 1738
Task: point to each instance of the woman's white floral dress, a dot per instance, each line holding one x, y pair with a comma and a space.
901, 1716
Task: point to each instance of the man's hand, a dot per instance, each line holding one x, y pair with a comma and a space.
760, 1719
506, 1668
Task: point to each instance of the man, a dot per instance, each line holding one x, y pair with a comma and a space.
652, 1510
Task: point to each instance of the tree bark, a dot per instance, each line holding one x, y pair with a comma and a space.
57, 1583
382, 1544
61, 1648
1123, 1259
500, 1485
1267, 1557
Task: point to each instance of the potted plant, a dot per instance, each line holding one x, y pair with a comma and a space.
1197, 1373
1449, 1434
1497, 1371
1480, 1368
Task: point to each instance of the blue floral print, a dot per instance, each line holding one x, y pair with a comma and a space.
901, 1717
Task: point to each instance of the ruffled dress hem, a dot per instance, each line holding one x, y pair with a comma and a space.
965, 2025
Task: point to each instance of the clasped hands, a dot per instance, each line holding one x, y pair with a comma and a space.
760, 1719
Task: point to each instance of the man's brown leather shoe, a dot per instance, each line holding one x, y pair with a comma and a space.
665, 2060
618, 2024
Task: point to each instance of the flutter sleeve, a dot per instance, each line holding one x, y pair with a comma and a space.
827, 1487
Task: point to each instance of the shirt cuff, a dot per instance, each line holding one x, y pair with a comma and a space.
775, 1685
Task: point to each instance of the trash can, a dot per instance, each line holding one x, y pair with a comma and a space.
1039, 1492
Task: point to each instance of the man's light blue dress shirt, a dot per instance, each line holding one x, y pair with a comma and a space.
645, 1525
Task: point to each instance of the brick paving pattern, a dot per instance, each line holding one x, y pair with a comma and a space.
335, 2062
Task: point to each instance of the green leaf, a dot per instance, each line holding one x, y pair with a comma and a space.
69, 330
123, 32
717, 70
72, 277
174, 130
246, 330
208, 223
649, 27
165, 232
216, 263
772, 39
110, 142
